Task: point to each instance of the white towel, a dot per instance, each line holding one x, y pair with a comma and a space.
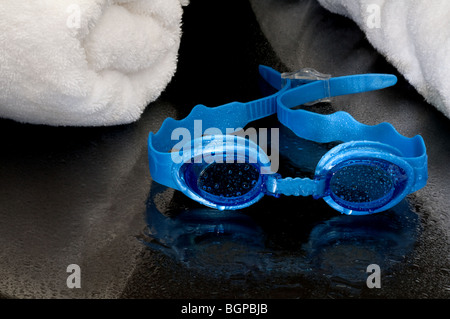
413, 35
85, 62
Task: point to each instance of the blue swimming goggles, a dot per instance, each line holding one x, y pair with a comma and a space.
372, 170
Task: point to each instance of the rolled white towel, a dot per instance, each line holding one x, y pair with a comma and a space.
85, 62
414, 35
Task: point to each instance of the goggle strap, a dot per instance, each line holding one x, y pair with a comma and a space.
344, 85
261, 108
341, 126
160, 164
271, 76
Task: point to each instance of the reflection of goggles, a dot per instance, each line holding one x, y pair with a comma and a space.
372, 170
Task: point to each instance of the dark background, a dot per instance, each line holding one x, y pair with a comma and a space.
84, 195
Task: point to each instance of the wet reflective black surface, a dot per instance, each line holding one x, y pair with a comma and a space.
84, 195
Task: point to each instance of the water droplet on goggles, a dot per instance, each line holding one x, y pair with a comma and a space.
361, 183
228, 179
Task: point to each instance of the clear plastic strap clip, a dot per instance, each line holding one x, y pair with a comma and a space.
305, 76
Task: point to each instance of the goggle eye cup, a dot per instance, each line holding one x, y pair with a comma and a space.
225, 172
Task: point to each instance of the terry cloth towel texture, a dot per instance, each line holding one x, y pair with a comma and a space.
413, 35
85, 62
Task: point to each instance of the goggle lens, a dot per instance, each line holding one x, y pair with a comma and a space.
361, 183
228, 179
366, 185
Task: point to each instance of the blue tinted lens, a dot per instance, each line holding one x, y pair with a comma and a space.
366, 184
228, 180
227, 184
361, 184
